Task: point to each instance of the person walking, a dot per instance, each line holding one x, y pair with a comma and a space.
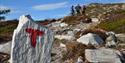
78, 9
72, 11
83, 10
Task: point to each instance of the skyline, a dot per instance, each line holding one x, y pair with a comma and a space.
45, 9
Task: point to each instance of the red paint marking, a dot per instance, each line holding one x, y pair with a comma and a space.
34, 33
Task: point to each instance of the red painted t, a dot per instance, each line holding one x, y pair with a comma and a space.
33, 35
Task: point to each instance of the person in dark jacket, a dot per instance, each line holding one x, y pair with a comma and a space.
72, 11
83, 9
78, 9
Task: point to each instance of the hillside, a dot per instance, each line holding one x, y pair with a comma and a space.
111, 16
6, 30
101, 10
75, 33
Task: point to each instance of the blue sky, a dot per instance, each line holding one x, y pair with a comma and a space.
44, 9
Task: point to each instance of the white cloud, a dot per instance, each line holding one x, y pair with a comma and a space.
51, 6
3, 7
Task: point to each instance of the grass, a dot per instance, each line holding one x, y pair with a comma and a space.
116, 26
116, 22
72, 20
6, 30
74, 50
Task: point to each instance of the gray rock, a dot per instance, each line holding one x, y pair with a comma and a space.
6, 47
102, 56
111, 40
79, 60
90, 38
121, 37
31, 42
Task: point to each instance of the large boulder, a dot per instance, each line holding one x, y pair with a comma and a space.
102, 55
90, 38
31, 42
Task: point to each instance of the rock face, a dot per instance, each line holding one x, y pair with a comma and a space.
102, 56
31, 42
90, 39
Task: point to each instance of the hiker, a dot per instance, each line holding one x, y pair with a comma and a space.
78, 8
83, 10
72, 11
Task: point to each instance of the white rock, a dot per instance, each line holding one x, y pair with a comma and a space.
9, 61
110, 33
27, 46
90, 39
62, 45
58, 24
66, 37
95, 19
5, 48
63, 24
121, 37
76, 30
79, 60
70, 33
102, 56
111, 40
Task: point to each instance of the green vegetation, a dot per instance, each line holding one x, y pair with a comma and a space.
6, 30
115, 22
116, 26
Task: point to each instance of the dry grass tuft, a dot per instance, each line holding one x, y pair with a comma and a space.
74, 50
4, 57
72, 20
